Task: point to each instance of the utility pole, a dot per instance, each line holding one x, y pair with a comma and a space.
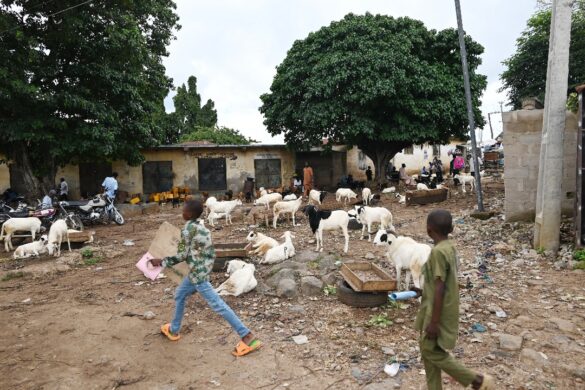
469, 106
550, 173
490, 122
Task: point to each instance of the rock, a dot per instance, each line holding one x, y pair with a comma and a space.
564, 325
311, 286
510, 342
533, 357
294, 265
518, 263
307, 255
388, 351
331, 278
148, 315
300, 339
286, 288
494, 309
297, 309
578, 373
275, 279
384, 385
369, 256
356, 373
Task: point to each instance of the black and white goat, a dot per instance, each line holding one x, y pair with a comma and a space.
320, 220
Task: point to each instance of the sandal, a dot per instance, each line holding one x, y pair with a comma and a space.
242, 349
166, 330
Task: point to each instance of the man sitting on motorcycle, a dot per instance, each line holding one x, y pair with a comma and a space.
47, 202
110, 186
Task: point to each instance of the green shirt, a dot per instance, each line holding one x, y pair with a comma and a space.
196, 249
442, 264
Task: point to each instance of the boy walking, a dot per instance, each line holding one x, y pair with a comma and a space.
197, 250
438, 317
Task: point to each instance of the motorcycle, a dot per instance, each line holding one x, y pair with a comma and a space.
100, 209
50, 215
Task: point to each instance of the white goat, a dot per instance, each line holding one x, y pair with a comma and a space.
285, 208
316, 196
260, 242
401, 198
389, 190
321, 220
57, 232
464, 179
225, 207
211, 200
370, 215
213, 216
290, 197
34, 248
241, 279
367, 195
282, 251
406, 254
13, 225
422, 186
267, 199
346, 194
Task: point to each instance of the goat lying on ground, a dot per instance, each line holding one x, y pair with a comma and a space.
282, 251
389, 190
241, 279
57, 233
406, 254
290, 207
316, 197
370, 215
401, 198
346, 194
321, 220
13, 225
225, 207
260, 243
34, 248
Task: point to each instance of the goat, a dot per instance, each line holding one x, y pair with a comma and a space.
464, 180
57, 232
31, 249
266, 199
13, 225
224, 207
316, 196
406, 254
369, 215
290, 197
401, 198
321, 220
345, 193
257, 214
210, 200
280, 252
213, 216
367, 196
389, 190
241, 279
260, 242
286, 207
422, 186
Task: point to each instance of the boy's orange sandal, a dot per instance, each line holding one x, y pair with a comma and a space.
166, 330
242, 349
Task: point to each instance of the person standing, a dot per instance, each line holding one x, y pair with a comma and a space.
63, 190
369, 174
409, 181
438, 316
308, 178
110, 186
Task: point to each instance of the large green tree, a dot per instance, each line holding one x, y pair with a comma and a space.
217, 135
374, 81
81, 82
525, 74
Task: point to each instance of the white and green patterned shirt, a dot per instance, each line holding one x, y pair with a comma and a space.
196, 249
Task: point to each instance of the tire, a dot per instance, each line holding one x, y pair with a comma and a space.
118, 218
74, 222
347, 295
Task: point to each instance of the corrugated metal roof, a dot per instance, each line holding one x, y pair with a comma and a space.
207, 145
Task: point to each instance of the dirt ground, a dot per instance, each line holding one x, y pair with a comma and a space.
69, 323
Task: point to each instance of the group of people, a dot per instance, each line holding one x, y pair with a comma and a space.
109, 186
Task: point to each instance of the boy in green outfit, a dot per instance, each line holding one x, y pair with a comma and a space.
438, 317
197, 250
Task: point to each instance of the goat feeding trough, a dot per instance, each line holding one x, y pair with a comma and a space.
228, 251
426, 196
367, 277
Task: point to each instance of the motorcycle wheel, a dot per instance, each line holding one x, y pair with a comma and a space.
74, 222
118, 218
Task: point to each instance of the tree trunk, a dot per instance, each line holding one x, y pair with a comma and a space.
381, 153
38, 185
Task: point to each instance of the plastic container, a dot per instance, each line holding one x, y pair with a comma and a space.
402, 295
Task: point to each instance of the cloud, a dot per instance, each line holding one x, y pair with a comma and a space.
233, 47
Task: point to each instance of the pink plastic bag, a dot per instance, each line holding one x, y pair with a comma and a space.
148, 269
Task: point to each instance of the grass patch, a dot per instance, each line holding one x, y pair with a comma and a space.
13, 275
330, 290
314, 264
380, 321
89, 258
579, 265
540, 250
579, 255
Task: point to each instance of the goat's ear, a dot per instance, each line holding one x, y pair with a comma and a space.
384, 238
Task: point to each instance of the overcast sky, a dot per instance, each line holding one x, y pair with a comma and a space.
234, 46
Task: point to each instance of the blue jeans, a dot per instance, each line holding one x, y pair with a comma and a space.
186, 288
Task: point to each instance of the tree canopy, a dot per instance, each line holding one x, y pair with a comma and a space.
217, 135
84, 84
374, 81
525, 74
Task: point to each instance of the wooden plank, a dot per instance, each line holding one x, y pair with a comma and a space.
385, 282
81, 236
426, 196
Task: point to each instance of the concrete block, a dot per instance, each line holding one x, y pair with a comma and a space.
129, 210
150, 208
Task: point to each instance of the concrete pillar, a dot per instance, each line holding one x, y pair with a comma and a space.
550, 173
